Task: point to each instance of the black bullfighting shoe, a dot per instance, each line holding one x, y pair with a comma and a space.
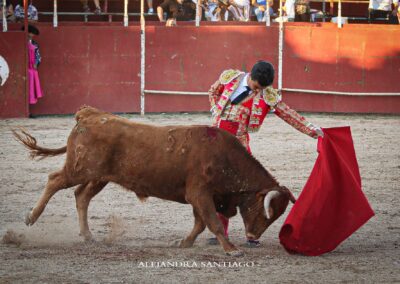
213, 241
253, 243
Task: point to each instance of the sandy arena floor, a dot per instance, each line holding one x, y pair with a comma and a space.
132, 235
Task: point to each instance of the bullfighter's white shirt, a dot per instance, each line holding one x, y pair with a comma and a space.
241, 88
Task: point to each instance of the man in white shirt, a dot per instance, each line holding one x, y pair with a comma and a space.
240, 10
387, 9
289, 10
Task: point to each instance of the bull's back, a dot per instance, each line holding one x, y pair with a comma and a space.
151, 160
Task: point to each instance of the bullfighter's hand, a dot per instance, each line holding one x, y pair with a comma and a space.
319, 132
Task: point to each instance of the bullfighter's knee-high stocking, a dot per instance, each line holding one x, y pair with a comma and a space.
225, 223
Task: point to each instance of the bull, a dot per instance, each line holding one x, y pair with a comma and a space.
203, 166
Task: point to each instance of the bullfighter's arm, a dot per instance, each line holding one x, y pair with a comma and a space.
214, 94
296, 120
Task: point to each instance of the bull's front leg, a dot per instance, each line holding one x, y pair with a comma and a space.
203, 203
198, 228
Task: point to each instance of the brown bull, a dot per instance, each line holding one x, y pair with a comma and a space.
200, 165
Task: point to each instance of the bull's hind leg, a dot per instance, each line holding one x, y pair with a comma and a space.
83, 194
56, 182
198, 228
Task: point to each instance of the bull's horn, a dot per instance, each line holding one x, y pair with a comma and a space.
270, 195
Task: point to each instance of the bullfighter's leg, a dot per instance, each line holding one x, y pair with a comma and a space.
204, 204
198, 228
56, 182
83, 194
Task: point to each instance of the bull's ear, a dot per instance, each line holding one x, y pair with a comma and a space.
290, 194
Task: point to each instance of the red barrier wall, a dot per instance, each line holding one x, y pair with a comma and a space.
356, 58
95, 65
99, 64
13, 101
190, 59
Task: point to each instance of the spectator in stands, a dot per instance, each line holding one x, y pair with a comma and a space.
211, 10
176, 10
9, 9
387, 9
240, 10
398, 14
86, 8
150, 5
259, 8
289, 10
221, 11
302, 11
34, 60
19, 12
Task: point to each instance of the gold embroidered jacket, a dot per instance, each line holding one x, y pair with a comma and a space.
251, 112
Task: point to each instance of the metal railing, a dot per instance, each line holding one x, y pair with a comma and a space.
142, 15
55, 13
125, 14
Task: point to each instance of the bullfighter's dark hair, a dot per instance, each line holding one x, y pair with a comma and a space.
263, 72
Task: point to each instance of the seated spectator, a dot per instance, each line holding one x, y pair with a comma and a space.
240, 10
86, 8
211, 11
383, 9
20, 15
221, 11
398, 14
176, 10
302, 11
9, 11
259, 7
289, 10
150, 5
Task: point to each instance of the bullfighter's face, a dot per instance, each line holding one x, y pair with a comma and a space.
254, 85
254, 214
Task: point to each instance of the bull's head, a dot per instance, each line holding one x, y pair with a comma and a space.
259, 210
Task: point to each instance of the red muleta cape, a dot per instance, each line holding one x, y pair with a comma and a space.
332, 205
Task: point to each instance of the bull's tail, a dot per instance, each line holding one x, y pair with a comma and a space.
31, 144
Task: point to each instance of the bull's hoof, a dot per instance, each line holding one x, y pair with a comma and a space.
87, 237
235, 253
90, 241
175, 243
185, 244
28, 219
